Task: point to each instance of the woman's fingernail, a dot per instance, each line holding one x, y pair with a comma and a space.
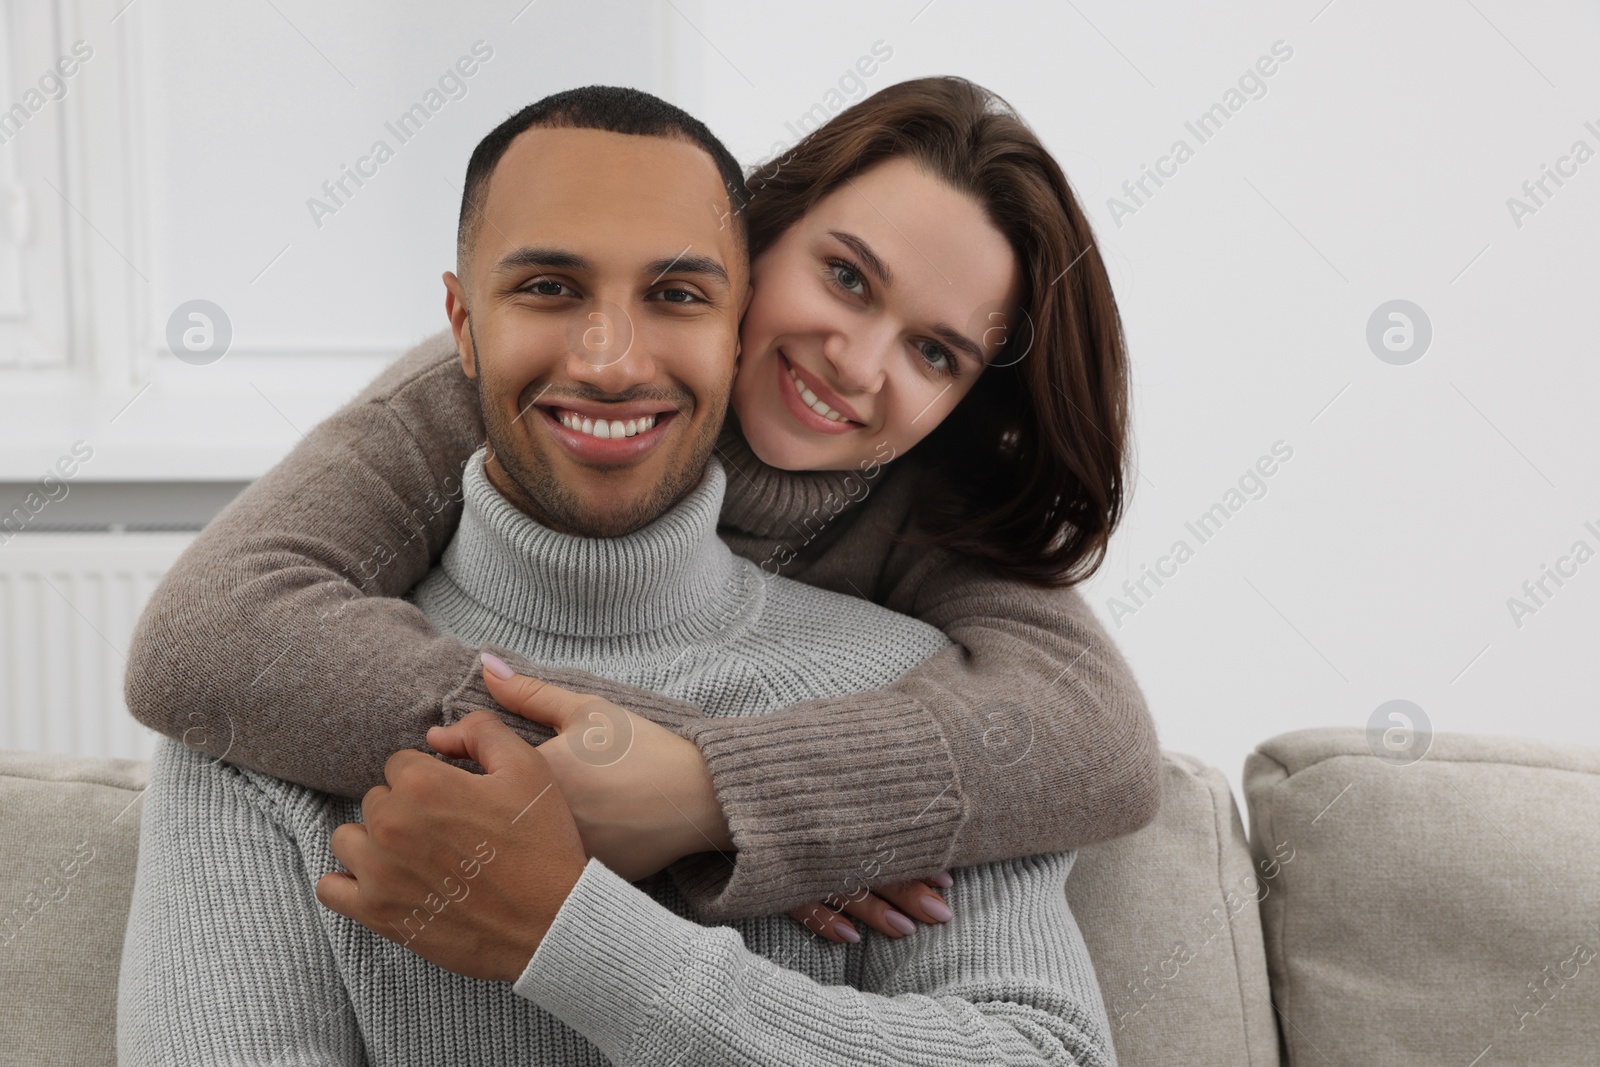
937, 908
846, 931
943, 880
900, 922
497, 666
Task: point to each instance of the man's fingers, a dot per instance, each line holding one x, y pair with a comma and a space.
338, 892
393, 767
351, 845
493, 745
446, 740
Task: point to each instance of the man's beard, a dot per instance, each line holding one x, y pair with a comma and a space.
549, 501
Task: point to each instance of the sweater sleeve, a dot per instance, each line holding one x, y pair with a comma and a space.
1047, 720
1030, 733
277, 640
197, 986
1008, 981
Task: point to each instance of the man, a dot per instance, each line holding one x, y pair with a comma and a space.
600, 554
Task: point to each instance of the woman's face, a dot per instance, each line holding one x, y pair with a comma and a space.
886, 301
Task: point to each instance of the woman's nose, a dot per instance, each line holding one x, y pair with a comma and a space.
860, 359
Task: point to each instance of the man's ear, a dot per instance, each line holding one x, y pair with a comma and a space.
455, 306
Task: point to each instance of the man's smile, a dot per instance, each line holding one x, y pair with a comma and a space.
631, 431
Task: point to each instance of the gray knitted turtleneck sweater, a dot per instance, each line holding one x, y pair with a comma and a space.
230, 958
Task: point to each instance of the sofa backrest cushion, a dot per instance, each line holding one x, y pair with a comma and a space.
1441, 911
1169, 915
69, 839
1170, 918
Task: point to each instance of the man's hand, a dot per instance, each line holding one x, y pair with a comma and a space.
640, 794
466, 870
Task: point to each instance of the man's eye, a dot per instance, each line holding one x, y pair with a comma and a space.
677, 296
546, 287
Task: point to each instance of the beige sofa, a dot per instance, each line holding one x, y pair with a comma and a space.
1444, 912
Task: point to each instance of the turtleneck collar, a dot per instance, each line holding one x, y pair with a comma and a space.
673, 578
764, 501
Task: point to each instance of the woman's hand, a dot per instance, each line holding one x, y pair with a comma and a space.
916, 898
642, 799
640, 794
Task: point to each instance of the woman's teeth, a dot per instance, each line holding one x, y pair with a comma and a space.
607, 429
811, 399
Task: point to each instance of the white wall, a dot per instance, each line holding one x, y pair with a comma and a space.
1376, 166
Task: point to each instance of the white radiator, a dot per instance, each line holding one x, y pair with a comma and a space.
68, 602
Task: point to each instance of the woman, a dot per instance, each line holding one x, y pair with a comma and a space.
1032, 725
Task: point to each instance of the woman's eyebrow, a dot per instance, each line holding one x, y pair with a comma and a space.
869, 258
947, 333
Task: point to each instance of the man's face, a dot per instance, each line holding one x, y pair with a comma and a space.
599, 313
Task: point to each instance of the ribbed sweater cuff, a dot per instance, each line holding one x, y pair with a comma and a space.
472, 694
824, 797
610, 956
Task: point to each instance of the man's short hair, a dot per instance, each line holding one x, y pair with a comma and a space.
595, 107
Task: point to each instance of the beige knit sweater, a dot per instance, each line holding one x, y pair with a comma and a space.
278, 642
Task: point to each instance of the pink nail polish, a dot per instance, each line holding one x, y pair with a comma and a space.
943, 880
937, 908
846, 931
900, 922
497, 666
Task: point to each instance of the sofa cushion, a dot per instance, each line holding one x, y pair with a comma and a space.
68, 844
1170, 918
1168, 914
1438, 912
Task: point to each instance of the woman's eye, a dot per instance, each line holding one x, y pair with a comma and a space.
937, 355
847, 278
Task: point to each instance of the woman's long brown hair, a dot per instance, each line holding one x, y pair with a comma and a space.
1028, 470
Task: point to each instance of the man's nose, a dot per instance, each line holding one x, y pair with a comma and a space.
607, 347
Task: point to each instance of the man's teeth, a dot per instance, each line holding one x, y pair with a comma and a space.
607, 429
811, 399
